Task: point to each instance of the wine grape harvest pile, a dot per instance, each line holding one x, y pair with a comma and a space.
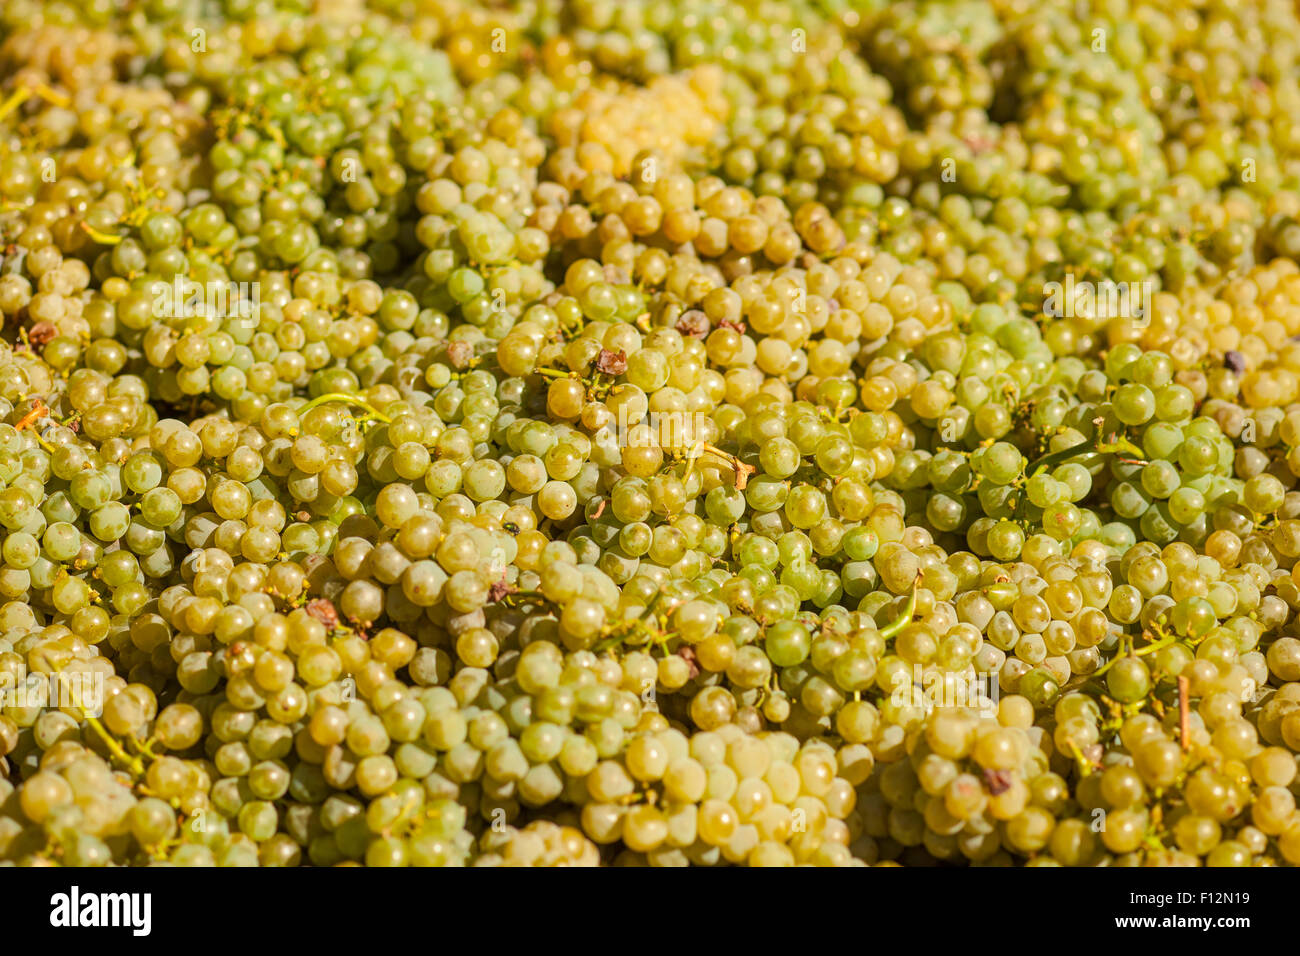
635, 432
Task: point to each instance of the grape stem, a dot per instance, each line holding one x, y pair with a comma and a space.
346, 399
1058, 457
135, 764
103, 238
596, 388
742, 470
617, 639
14, 100
1157, 646
629, 628
515, 598
1085, 765
39, 411
1111, 663
1120, 444
904, 619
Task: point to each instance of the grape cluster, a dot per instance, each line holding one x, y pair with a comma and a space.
548, 434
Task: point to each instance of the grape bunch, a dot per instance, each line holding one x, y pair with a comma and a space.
616, 434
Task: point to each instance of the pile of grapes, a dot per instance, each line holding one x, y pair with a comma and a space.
628, 432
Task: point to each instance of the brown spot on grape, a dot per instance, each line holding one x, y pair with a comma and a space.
998, 781
40, 333
323, 610
693, 323
611, 363
687, 653
459, 354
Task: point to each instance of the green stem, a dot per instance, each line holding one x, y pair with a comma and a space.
52, 96
103, 238
742, 470
346, 399
1119, 652
515, 598
1122, 444
134, 763
1059, 457
630, 627
611, 642
14, 100
1084, 764
904, 619
1157, 646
